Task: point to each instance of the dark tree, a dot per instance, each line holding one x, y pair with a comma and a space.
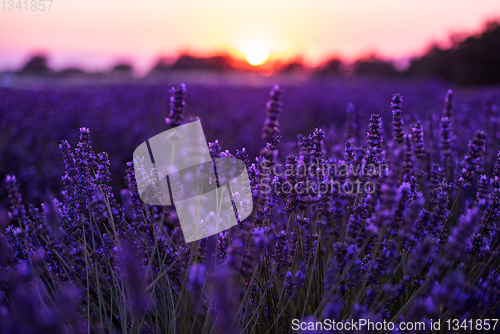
36, 65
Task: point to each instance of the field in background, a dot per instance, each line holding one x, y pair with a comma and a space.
35, 118
420, 242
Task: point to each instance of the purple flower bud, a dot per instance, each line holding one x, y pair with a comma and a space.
418, 140
15, 198
473, 160
397, 120
349, 151
273, 112
467, 225
177, 105
448, 104
281, 253
446, 135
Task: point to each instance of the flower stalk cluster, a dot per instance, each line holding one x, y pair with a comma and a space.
86, 262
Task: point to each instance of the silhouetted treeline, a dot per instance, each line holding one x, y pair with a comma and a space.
36, 65
472, 61
189, 62
370, 66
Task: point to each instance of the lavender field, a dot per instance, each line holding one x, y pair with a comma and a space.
415, 242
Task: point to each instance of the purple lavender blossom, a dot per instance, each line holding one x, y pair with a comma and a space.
273, 113
448, 101
177, 105
467, 225
281, 253
418, 140
397, 120
416, 246
374, 149
473, 160
349, 151
15, 197
445, 136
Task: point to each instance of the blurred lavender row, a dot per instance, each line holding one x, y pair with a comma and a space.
34, 121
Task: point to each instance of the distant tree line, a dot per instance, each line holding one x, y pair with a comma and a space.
474, 60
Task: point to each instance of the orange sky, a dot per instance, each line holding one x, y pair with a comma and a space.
96, 34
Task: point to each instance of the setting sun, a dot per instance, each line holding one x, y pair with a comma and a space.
256, 54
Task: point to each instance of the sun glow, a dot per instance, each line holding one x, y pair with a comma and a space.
256, 54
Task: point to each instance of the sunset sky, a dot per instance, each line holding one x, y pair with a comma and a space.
96, 34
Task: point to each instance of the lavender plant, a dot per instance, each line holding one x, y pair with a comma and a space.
400, 248
397, 120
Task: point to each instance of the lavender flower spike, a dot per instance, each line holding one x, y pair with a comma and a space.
473, 160
397, 120
467, 226
349, 151
375, 133
270, 130
448, 102
445, 136
418, 140
273, 113
177, 105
